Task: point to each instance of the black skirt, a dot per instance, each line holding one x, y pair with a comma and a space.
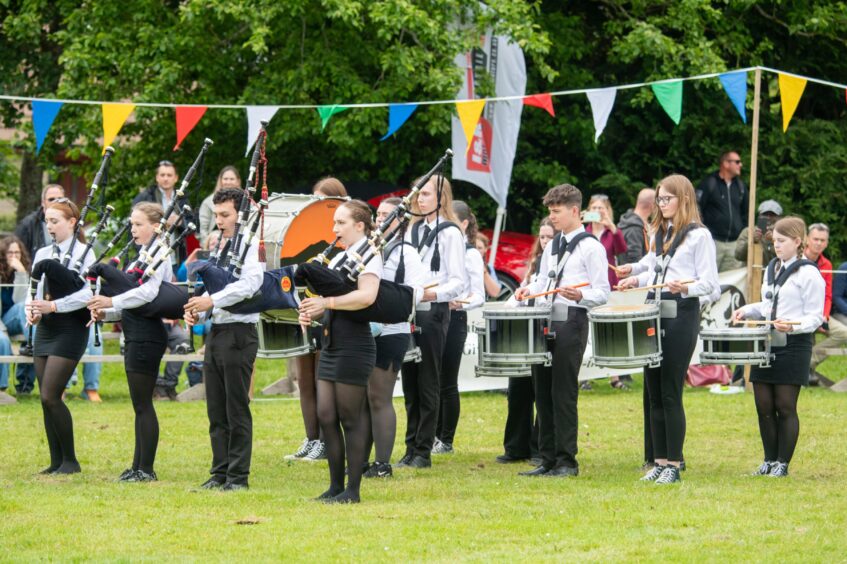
146, 341
789, 364
61, 334
348, 352
391, 350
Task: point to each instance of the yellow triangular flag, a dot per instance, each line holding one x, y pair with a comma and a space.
469, 112
114, 117
790, 90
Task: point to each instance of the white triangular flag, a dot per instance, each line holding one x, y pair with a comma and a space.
255, 116
601, 106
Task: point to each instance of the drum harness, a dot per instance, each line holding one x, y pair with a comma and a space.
667, 309
564, 252
778, 280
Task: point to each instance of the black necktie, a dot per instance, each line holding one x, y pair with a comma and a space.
426, 232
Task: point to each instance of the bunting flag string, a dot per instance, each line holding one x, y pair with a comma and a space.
668, 93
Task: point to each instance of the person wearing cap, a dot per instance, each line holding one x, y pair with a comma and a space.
769, 212
723, 200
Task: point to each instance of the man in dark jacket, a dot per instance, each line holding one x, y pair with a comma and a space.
163, 193
635, 227
724, 200
32, 229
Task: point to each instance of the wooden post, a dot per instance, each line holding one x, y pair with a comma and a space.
754, 289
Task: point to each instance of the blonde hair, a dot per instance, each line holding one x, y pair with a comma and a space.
360, 211
151, 210
686, 211
330, 186
794, 228
446, 210
606, 202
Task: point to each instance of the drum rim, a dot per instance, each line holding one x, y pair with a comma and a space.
733, 334
622, 316
506, 312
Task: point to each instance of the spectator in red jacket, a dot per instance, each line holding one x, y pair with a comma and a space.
606, 231
816, 243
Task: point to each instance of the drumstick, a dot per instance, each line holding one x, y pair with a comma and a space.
833, 271
462, 301
431, 286
654, 286
767, 322
548, 292
615, 268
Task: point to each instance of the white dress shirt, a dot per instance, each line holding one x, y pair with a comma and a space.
451, 247
587, 263
78, 299
801, 299
252, 275
474, 290
414, 276
694, 260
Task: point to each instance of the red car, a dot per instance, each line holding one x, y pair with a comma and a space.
512, 259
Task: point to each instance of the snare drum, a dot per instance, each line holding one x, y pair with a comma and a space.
736, 345
626, 336
485, 368
514, 335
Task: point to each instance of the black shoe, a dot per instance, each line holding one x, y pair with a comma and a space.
49, 470
234, 487
419, 462
142, 476
537, 471
509, 459
379, 470
403, 462
212, 484
562, 472
68, 468
536, 461
682, 466
126, 474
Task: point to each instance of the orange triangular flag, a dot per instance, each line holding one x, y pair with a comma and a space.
469, 112
790, 90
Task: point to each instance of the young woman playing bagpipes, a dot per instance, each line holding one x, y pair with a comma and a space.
682, 249
472, 297
403, 265
146, 340
62, 335
794, 293
348, 357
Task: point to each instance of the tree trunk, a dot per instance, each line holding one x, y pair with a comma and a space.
32, 174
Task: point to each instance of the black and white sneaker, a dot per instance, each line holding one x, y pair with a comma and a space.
764, 469
379, 470
126, 475
302, 451
653, 474
142, 476
317, 452
441, 447
670, 475
779, 470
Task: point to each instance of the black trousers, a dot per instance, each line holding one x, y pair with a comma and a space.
666, 382
454, 347
422, 381
648, 434
557, 392
227, 368
520, 438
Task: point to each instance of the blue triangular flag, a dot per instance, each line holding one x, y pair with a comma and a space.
735, 84
43, 114
397, 116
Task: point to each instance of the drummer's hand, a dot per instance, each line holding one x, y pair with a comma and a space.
572, 294
454, 305
42, 307
737, 316
99, 302
199, 304
314, 307
429, 296
782, 327
677, 287
631, 282
521, 293
623, 270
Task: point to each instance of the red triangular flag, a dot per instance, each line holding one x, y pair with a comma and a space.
186, 118
543, 101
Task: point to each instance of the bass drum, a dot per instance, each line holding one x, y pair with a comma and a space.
297, 228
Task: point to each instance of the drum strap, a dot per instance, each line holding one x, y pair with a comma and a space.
668, 252
781, 278
568, 250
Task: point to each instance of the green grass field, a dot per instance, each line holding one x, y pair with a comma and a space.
466, 507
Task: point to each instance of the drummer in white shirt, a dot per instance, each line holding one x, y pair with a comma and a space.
687, 266
472, 297
794, 293
556, 392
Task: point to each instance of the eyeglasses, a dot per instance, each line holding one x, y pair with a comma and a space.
664, 200
734, 161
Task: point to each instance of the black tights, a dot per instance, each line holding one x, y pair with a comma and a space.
308, 391
53, 374
776, 405
383, 419
146, 423
342, 413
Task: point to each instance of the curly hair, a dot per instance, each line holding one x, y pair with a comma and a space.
7, 273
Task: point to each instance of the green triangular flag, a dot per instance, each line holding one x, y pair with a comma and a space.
327, 112
669, 95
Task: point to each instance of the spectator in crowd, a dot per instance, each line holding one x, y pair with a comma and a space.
32, 229
14, 271
724, 200
228, 177
816, 242
635, 226
163, 192
606, 232
769, 212
837, 333
489, 276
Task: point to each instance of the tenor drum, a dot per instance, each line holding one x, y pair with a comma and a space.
297, 227
736, 345
514, 335
626, 336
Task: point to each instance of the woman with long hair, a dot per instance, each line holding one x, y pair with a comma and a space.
14, 275
61, 338
794, 294
348, 357
682, 249
228, 177
606, 231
